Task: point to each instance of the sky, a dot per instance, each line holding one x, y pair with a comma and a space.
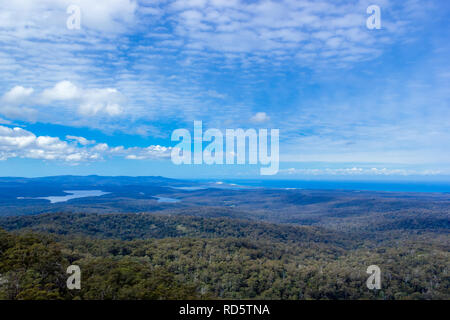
349, 102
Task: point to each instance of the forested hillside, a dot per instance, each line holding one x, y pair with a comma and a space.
163, 257
144, 226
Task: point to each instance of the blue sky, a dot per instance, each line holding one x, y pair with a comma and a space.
104, 99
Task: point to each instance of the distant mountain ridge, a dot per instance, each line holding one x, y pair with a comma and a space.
93, 179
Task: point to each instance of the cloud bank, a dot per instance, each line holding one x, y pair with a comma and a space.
20, 143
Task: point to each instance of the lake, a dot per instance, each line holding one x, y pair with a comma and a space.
72, 194
167, 200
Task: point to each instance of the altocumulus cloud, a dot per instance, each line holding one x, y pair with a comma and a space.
42, 18
18, 142
143, 67
171, 33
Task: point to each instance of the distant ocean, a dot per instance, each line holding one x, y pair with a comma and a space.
347, 185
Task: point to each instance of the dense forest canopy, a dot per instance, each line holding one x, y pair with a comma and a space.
144, 256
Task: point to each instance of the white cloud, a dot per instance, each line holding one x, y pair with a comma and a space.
37, 50
357, 171
150, 152
247, 38
63, 90
101, 147
11, 103
18, 142
89, 102
284, 27
32, 18
260, 117
16, 95
81, 140
96, 101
